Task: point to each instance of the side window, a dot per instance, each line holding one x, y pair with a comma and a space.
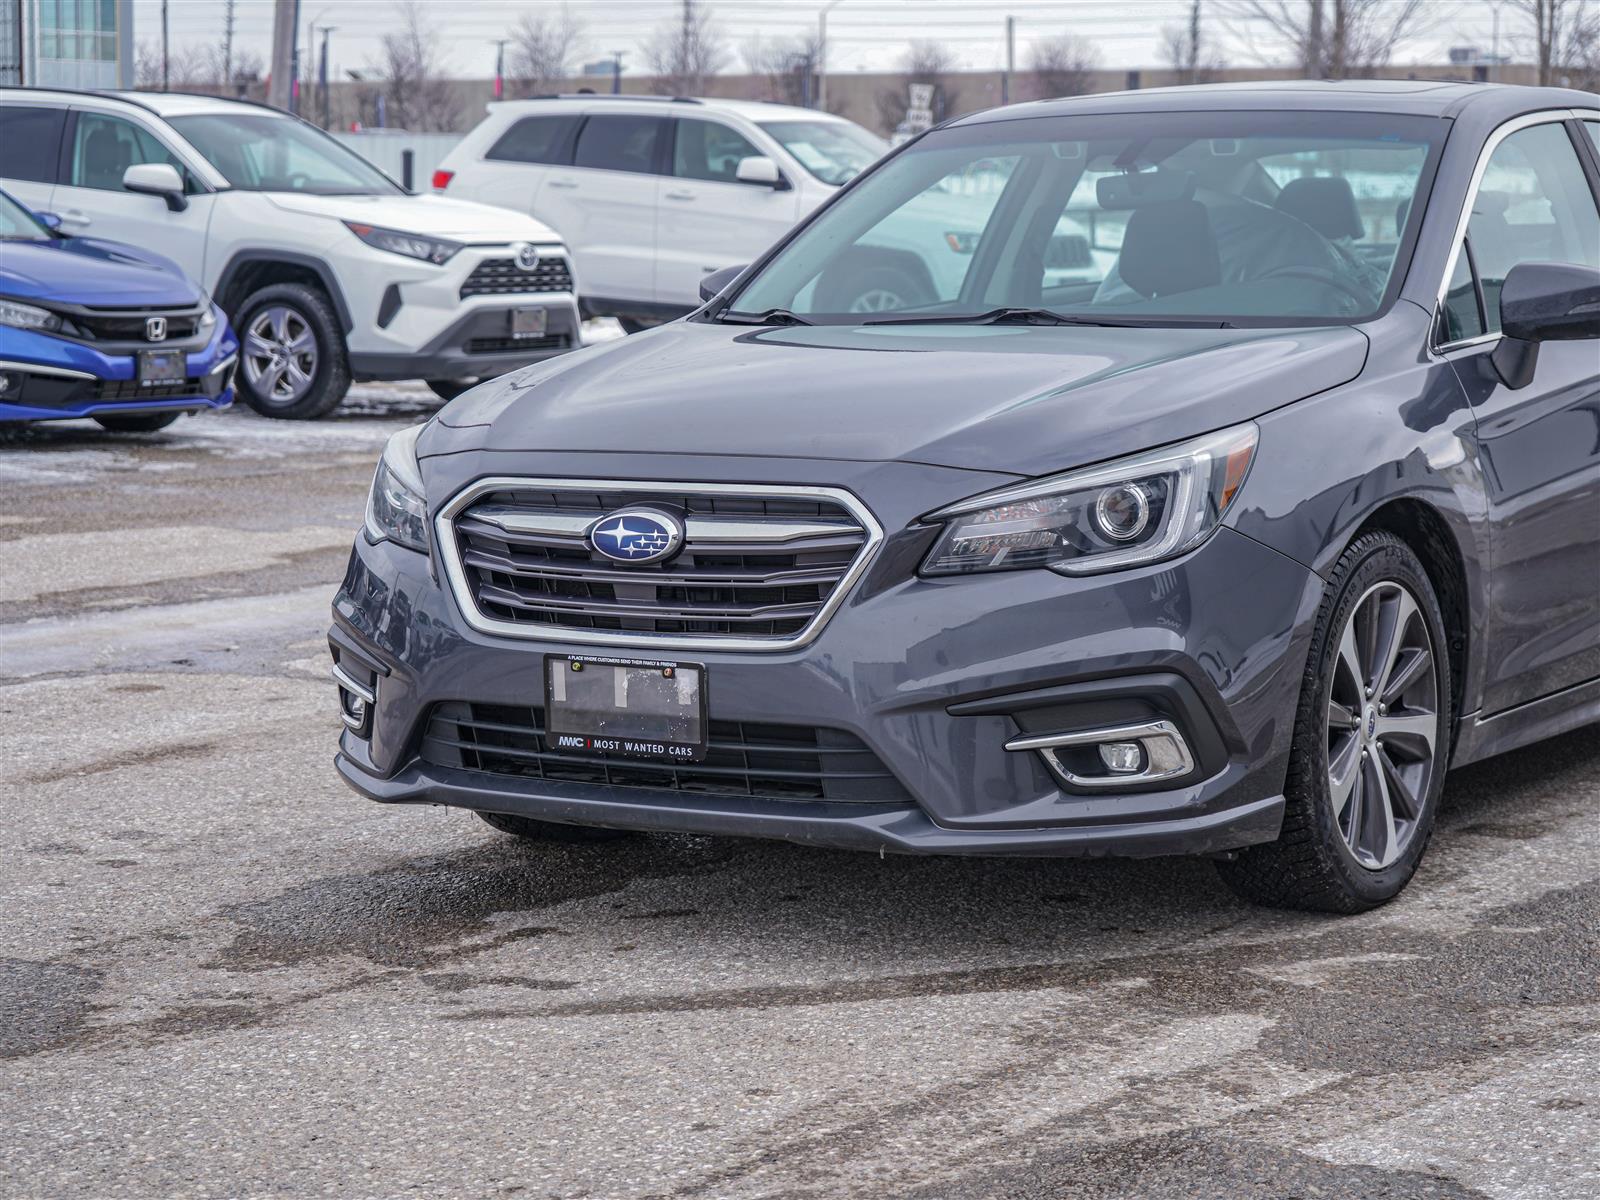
535, 140
708, 150
32, 137
1460, 319
1534, 205
619, 143
104, 147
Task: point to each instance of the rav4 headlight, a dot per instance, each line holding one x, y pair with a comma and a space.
26, 316
437, 251
397, 510
1133, 511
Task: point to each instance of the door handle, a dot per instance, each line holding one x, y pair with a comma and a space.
563, 183
679, 195
75, 216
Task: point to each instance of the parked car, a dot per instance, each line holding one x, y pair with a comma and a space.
98, 329
1234, 551
652, 192
329, 270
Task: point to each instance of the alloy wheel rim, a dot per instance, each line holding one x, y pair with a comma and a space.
1382, 725
280, 354
877, 300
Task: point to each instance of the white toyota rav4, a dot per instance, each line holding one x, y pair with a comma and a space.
327, 268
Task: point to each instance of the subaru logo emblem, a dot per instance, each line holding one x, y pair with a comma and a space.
636, 535
155, 329
527, 257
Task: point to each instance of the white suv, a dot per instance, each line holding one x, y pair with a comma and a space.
328, 269
653, 193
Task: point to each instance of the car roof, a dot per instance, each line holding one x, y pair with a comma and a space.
162, 104
1418, 97
753, 110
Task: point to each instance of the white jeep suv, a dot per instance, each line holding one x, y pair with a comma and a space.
654, 193
327, 268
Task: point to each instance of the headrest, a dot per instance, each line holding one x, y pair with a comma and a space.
1324, 202
1170, 248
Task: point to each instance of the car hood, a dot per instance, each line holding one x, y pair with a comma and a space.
88, 271
1024, 400
436, 216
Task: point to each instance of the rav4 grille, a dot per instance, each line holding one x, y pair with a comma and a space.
502, 277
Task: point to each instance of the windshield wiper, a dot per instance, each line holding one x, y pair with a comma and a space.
1040, 316
773, 316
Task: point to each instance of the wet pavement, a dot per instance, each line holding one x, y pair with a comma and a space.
222, 974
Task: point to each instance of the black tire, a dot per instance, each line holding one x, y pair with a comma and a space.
881, 288
330, 370
1312, 865
143, 423
548, 831
449, 389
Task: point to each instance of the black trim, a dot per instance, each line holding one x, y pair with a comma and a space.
605, 306
389, 306
244, 258
449, 356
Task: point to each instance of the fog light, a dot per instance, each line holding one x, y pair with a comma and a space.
1121, 758
10, 385
355, 702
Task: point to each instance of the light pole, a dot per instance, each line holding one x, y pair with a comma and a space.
500, 68
322, 72
822, 54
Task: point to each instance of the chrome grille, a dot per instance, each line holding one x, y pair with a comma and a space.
761, 568
502, 277
769, 761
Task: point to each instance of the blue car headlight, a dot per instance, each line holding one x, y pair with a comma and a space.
1126, 513
26, 316
397, 510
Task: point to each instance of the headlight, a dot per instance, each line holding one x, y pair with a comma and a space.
208, 319
434, 250
26, 316
396, 509
1137, 510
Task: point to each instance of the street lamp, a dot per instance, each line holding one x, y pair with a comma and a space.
822, 54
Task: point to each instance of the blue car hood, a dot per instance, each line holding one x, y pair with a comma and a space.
1021, 399
89, 271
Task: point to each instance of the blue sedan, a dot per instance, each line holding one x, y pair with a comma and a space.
98, 329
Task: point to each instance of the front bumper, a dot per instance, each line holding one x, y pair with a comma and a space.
479, 344
53, 378
933, 677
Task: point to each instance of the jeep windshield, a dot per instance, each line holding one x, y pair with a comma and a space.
1222, 218
264, 152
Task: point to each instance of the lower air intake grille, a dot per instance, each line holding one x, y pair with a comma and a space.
775, 762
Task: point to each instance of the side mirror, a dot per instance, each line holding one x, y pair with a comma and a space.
1543, 302
712, 285
50, 220
760, 170
157, 179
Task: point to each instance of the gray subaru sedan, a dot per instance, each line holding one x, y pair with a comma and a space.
1195, 471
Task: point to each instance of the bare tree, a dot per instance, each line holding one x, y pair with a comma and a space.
189, 68
1332, 39
1063, 66
1190, 53
1565, 40
684, 53
416, 95
542, 49
927, 62
787, 67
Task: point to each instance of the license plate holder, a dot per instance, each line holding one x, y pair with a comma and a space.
162, 366
652, 709
529, 322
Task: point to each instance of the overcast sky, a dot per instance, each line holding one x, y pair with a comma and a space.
863, 35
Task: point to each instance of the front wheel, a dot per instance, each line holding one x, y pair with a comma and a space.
292, 361
1371, 742
142, 423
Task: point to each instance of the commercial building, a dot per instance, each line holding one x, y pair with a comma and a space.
66, 43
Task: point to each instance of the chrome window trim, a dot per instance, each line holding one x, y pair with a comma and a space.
1501, 133
455, 573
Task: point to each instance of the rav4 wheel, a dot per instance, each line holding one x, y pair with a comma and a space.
548, 831
1371, 742
291, 353
143, 423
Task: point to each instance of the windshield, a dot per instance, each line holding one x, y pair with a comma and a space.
260, 152
834, 151
17, 224
1206, 218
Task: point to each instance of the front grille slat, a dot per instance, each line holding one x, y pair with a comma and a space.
764, 761
502, 277
756, 568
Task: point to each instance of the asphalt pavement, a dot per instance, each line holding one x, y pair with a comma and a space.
223, 974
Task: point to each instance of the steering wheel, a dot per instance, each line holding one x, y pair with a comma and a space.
1321, 275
